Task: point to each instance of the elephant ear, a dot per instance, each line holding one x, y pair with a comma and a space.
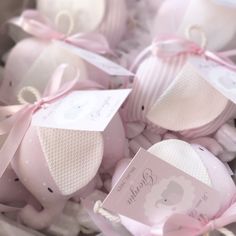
182, 156
189, 102
73, 157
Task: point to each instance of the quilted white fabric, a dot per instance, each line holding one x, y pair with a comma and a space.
73, 157
183, 105
182, 156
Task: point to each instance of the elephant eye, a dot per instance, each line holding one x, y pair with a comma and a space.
165, 200
10, 83
50, 190
7, 116
16, 179
143, 108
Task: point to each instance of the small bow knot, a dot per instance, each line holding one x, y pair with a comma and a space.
167, 47
36, 25
212, 225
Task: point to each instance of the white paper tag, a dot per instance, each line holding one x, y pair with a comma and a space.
228, 3
102, 63
150, 190
220, 77
82, 110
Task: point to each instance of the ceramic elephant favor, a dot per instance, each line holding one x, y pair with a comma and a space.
197, 162
164, 96
56, 164
108, 17
34, 59
175, 17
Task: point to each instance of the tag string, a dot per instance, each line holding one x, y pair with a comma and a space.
226, 232
199, 29
98, 209
223, 231
30, 90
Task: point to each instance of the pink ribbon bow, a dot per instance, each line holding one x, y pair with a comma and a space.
17, 125
184, 225
171, 46
35, 24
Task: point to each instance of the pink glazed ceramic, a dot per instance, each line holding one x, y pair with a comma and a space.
207, 168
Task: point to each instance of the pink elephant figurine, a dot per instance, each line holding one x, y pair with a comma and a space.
164, 97
175, 17
32, 56
28, 58
53, 165
108, 17
52, 176
194, 160
56, 164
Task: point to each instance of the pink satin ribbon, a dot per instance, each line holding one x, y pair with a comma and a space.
184, 225
171, 46
174, 46
36, 25
17, 125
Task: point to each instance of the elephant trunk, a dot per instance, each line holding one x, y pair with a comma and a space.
40, 219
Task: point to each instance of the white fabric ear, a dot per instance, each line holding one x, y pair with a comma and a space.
83, 15
73, 157
189, 102
182, 156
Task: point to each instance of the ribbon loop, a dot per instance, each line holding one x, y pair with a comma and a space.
202, 33
59, 17
36, 25
166, 47
31, 91
17, 125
